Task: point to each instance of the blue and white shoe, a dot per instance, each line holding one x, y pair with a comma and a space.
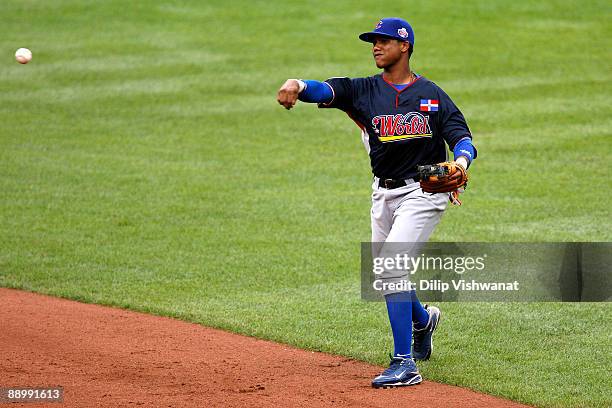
422, 344
401, 371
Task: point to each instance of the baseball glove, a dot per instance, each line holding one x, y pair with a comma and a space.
447, 177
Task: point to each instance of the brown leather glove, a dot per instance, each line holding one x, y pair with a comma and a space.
444, 177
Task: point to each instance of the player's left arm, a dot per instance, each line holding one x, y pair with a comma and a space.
455, 131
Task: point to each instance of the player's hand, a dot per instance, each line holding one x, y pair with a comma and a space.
288, 93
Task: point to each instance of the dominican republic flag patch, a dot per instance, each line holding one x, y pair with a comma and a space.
429, 105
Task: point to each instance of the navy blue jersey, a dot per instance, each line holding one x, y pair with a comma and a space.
404, 128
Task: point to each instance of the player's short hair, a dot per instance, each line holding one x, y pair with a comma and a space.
410, 50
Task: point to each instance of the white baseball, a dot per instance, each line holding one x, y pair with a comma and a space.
23, 55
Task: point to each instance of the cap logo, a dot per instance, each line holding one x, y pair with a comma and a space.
378, 25
402, 32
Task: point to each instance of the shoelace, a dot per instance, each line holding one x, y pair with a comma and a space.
407, 362
395, 363
419, 335
418, 341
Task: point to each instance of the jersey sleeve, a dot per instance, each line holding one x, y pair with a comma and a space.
342, 89
452, 123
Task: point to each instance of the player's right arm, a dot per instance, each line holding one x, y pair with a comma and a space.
306, 91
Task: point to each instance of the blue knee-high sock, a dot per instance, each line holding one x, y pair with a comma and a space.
420, 317
400, 315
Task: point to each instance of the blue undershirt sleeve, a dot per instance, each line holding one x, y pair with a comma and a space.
316, 92
465, 148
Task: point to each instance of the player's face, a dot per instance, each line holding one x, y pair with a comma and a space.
386, 51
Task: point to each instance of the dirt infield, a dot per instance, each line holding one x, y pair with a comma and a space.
108, 357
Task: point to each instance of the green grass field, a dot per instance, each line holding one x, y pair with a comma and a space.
145, 163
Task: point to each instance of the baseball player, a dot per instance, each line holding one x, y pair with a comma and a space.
406, 121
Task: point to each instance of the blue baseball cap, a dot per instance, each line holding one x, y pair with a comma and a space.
391, 27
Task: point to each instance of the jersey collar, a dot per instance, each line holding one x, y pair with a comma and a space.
398, 91
406, 87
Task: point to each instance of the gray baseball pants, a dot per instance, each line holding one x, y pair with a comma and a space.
402, 221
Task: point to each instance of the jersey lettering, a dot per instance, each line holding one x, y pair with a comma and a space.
392, 128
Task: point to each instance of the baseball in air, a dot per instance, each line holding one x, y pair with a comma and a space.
23, 55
